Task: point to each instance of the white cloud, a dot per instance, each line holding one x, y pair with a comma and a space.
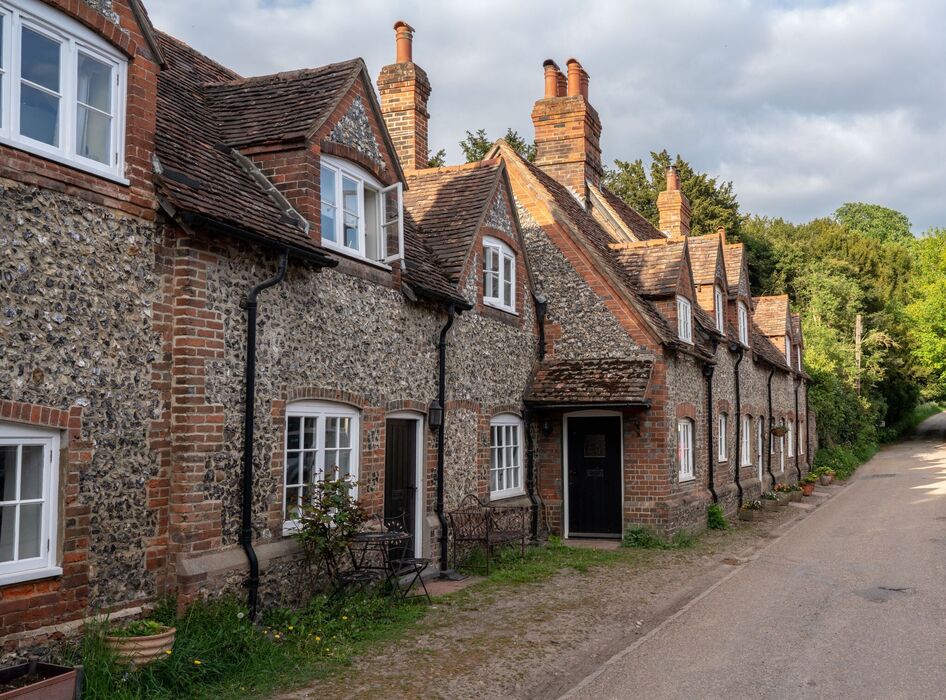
804, 105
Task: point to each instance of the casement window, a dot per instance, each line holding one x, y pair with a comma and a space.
505, 457
788, 352
781, 450
760, 442
790, 437
499, 275
745, 459
62, 89
321, 438
29, 474
685, 449
801, 437
719, 307
360, 217
798, 357
722, 451
743, 313
684, 320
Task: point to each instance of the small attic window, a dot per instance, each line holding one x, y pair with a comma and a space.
499, 275
720, 309
684, 320
743, 324
788, 351
360, 217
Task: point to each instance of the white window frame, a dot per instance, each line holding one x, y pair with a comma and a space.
501, 423
73, 39
743, 313
685, 457
791, 438
801, 437
781, 449
722, 446
684, 320
363, 179
320, 410
745, 456
788, 351
44, 565
798, 357
719, 308
503, 254
760, 443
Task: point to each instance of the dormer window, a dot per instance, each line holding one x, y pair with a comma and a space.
499, 275
798, 357
360, 217
684, 320
62, 90
719, 309
743, 323
788, 351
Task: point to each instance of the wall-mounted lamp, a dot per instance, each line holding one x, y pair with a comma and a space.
546, 427
435, 414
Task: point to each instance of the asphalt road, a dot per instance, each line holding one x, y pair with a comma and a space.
849, 603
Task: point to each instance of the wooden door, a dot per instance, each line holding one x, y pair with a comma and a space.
594, 476
400, 474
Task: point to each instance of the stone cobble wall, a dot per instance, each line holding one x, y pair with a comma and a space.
686, 387
76, 290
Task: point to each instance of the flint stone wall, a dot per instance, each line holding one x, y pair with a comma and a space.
76, 291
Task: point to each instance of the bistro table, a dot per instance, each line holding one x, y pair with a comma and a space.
371, 552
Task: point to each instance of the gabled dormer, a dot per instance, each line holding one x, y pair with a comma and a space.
773, 318
709, 274
740, 297
798, 344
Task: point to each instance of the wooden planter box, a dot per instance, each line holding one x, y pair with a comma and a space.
794, 496
769, 504
34, 680
141, 650
783, 498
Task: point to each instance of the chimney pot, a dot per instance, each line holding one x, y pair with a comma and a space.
551, 78
574, 77
673, 179
404, 41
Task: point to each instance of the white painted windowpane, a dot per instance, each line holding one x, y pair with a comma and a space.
343, 462
292, 468
31, 472
374, 245
331, 432
94, 87
39, 89
93, 116
350, 231
39, 115
8, 472
30, 530
40, 60
7, 532
329, 203
310, 436
350, 206
293, 432
507, 280
344, 432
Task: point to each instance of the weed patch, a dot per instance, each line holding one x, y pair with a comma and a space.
645, 538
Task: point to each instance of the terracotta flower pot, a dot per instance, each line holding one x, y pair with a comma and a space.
807, 489
34, 680
141, 650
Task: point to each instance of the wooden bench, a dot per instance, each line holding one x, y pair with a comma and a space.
475, 523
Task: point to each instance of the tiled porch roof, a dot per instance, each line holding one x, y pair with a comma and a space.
590, 382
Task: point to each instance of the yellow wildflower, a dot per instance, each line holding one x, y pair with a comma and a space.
197, 662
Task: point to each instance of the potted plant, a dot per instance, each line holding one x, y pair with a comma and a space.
808, 484
794, 493
782, 493
769, 500
779, 430
34, 679
751, 510
825, 475
140, 642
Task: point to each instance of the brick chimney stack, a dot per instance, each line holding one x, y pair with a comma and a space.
568, 129
405, 89
674, 207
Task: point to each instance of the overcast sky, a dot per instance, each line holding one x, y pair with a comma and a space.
803, 105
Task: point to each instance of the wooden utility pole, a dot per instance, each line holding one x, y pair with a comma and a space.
858, 332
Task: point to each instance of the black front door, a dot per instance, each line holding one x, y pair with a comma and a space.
400, 462
594, 476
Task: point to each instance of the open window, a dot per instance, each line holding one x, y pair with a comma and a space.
499, 275
685, 449
743, 324
360, 217
684, 320
720, 309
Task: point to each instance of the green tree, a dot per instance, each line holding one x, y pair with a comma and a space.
877, 222
712, 203
927, 311
477, 144
438, 159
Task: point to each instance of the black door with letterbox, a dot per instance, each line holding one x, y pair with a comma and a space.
400, 462
594, 476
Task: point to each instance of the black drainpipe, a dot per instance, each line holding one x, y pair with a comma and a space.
442, 399
249, 410
768, 446
737, 347
795, 432
530, 473
710, 461
541, 307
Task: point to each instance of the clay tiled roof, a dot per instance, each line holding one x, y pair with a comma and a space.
763, 348
448, 204
734, 256
596, 381
654, 267
198, 174
771, 314
424, 273
704, 252
280, 107
639, 227
595, 237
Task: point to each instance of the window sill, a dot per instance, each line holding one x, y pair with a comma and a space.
30, 575
499, 307
687, 479
351, 255
80, 166
505, 495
